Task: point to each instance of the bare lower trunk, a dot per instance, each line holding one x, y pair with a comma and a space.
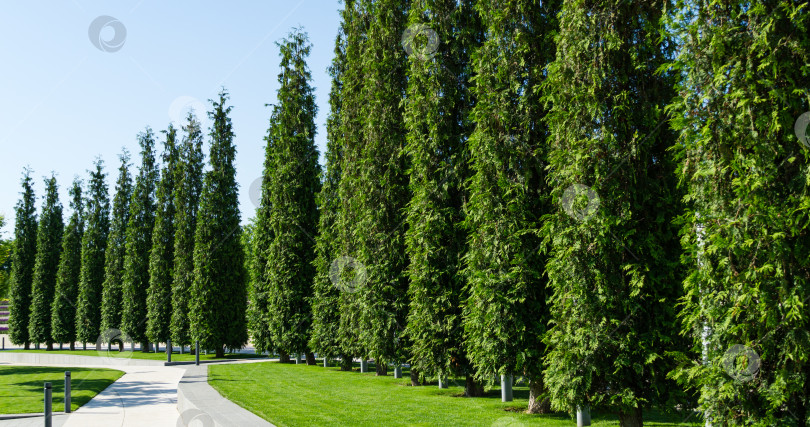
84, 346
27, 345
72, 346
631, 418
414, 377
146, 347
60, 346
345, 363
473, 388
49, 346
381, 368
310, 358
220, 352
284, 357
538, 404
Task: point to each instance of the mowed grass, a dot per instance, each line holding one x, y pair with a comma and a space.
176, 356
22, 387
295, 395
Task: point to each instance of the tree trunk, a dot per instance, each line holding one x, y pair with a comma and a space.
631, 418
60, 346
284, 357
49, 346
345, 363
84, 346
538, 404
72, 346
473, 388
414, 377
381, 368
220, 352
310, 358
27, 345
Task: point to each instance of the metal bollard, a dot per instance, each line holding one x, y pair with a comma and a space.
169, 351
325, 362
398, 371
506, 388
363, 366
197, 353
583, 416
48, 402
67, 392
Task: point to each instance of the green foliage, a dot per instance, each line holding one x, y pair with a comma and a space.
437, 107
49, 246
94, 251
66, 294
287, 217
219, 291
188, 185
139, 242
745, 68
6, 247
613, 262
382, 186
161, 258
505, 313
23, 258
111, 300
325, 295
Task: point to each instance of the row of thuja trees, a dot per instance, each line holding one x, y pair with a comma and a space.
608, 198
142, 270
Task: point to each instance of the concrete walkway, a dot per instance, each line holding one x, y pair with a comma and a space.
148, 394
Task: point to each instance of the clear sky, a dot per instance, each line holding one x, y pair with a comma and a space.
65, 101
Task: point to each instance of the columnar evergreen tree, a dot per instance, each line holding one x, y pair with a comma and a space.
161, 260
506, 313
382, 187
436, 117
325, 295
288, 212
112, 299
745, 233
139, 243
219, 292
49, 246
188, 186
23, 258
613, 248
355, 23
66, 295
94, 251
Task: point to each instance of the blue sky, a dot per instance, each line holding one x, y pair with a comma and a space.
65, 101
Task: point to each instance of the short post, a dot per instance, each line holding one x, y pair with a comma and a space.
298, 359
67, 392
506, 388
197, 353
398, 371
48, 402
4, 343
363, 365
442, 384
325, 362
583, 416
169, 351
157, 347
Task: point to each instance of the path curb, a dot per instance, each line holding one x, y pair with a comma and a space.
67, 359
197, 400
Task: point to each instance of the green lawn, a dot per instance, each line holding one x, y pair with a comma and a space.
176, 357
293, 395
22, 387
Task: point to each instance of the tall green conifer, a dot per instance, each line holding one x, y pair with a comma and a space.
613, 248
112, 299
161, 259
744, 160
23, 259
219, 291
49, 246
139, 243
188, 185
66, 295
